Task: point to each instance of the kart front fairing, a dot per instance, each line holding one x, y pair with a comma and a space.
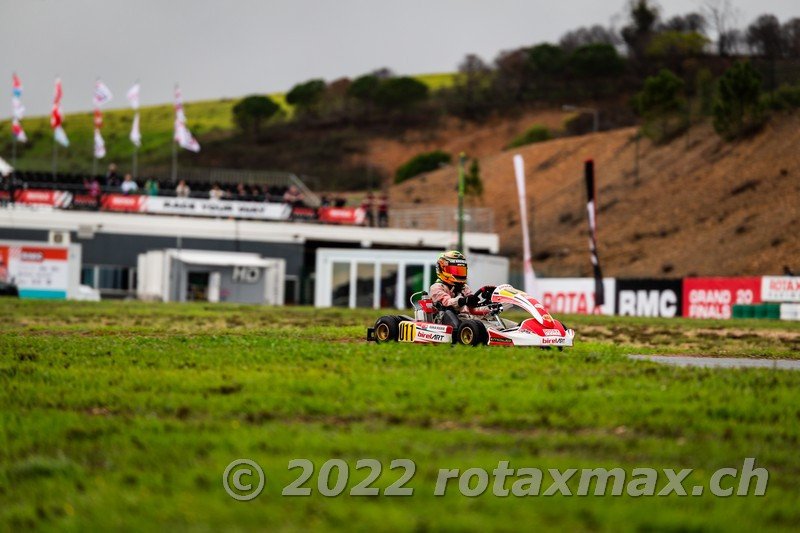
539, 330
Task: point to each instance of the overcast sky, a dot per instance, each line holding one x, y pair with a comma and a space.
231, 48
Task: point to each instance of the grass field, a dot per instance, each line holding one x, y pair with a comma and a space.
124, 415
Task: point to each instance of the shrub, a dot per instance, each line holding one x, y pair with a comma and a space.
535, 134
737, 109
473, 185
786, 97
400, 93
306, 95
661, 106
250, 112
420, 163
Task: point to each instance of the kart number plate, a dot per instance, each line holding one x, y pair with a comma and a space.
408, 332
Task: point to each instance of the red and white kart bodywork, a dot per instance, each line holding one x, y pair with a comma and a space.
482, 326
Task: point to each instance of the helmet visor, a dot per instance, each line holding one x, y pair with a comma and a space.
458, 271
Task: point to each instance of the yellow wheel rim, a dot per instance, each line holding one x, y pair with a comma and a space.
382, 332
467, 335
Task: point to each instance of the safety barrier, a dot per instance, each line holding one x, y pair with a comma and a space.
768, 297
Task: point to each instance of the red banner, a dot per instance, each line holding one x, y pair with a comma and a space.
121, 202
341, 215
43, 197
715, 297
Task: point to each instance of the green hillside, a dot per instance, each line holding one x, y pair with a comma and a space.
208, 120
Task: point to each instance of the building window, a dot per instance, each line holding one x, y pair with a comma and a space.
414, 281
340, 285
388, 286
365, 284
87, 276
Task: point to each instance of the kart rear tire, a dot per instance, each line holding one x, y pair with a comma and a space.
470, 333
387, 329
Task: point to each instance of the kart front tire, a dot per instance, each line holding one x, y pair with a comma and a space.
470, 333
387, 329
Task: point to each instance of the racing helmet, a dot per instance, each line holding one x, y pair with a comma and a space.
451, 268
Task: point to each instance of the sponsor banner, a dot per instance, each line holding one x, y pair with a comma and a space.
61, 199
780, 289
84, 200
574, 295
341, 215
216, 208
161, 205
122, 202
650, 297
38, 272
304, 213
715, 297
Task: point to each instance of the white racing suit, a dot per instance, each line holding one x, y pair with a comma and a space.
447, 297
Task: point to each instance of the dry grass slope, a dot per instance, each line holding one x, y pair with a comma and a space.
699, 206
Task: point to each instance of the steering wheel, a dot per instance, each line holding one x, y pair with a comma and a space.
485, 293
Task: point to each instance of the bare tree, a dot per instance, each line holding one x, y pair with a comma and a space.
764, 37
689, 23
723, 17
791, 37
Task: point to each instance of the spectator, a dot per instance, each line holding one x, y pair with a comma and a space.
324, 201
383, 211
93, 189
182, 190
151, 187
241, 193
293, 197
215, 193
257, 194
128, 185
112, 179
366, 205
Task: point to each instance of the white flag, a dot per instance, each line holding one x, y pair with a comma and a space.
182, 134
99, 145
185, 139
18, 109
527, 264
133, 96
136, 136
61, 136
102, 94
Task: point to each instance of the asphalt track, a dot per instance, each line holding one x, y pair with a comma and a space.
721, 362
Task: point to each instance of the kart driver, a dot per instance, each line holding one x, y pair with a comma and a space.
451, 292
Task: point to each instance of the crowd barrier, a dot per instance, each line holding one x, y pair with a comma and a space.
200, 207
776, 297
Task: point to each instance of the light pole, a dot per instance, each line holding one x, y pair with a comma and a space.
595, 114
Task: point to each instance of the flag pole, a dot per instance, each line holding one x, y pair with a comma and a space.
55, 157
14, 151
135, 154
461, 158
174, 160
174, 139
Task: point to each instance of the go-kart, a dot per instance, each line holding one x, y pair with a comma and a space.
482, 325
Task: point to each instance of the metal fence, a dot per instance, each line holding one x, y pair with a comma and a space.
476, 219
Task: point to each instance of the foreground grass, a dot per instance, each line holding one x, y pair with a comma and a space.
124, 415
